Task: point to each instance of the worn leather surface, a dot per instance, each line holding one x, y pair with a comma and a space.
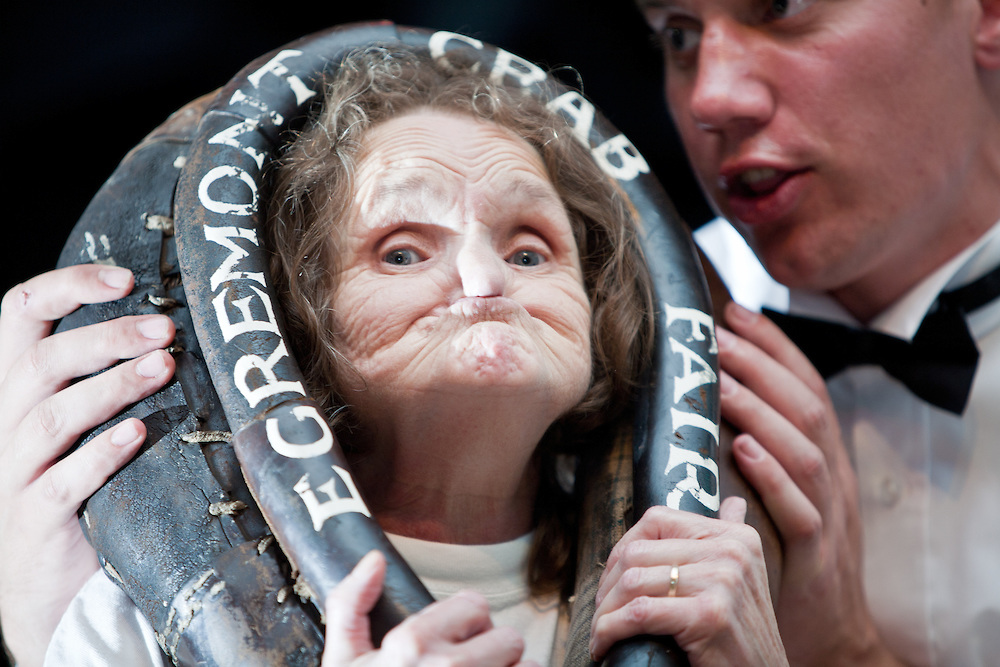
199, 575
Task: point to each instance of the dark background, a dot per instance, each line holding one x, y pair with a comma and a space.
80, 85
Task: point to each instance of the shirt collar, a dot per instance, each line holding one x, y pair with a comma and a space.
901, 319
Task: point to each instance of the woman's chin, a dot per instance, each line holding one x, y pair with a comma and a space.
492, 351
498, 363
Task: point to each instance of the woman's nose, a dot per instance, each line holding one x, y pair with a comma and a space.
480, 268
727, 92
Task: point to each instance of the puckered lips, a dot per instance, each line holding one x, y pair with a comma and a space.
758, 195
486, 309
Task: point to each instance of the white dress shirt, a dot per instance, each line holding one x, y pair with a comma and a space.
929, 480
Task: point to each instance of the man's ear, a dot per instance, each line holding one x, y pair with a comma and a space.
987, 35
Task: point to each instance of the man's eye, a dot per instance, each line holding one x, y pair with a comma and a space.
680, 39
402, 257
780, 9
526, 258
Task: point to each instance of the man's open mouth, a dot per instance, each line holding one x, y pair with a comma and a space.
756, 182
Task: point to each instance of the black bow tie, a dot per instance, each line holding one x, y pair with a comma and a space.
938, 365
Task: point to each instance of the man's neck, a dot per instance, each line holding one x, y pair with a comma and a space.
869, 297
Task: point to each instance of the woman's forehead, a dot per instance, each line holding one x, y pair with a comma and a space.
435, 139
433, 157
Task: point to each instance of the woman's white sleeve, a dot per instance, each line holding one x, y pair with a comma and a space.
102, 626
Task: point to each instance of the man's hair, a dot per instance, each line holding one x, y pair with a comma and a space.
312, 188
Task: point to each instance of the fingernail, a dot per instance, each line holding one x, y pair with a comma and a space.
115, 277
726, 384
153, 328
151, 366
738, 314
124, 434
367, 563
724, 337
467, 594
749, 448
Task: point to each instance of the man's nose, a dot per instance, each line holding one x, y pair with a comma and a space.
481, 269
728, 93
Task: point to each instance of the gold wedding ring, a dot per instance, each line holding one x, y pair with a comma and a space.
675, 577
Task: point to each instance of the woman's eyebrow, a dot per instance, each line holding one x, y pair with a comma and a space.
391, 199
402, 187
531, 190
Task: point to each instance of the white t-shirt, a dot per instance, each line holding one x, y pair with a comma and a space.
929, 480
103, 627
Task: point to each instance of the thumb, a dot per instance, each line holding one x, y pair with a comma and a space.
733, 509
348, 631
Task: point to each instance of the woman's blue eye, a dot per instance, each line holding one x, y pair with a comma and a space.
526, 258
402, 257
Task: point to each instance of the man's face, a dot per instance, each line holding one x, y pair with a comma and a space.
842, 137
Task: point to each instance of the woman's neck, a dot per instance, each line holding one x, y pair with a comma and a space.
451, 479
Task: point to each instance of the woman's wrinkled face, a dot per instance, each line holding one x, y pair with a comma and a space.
461, 278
